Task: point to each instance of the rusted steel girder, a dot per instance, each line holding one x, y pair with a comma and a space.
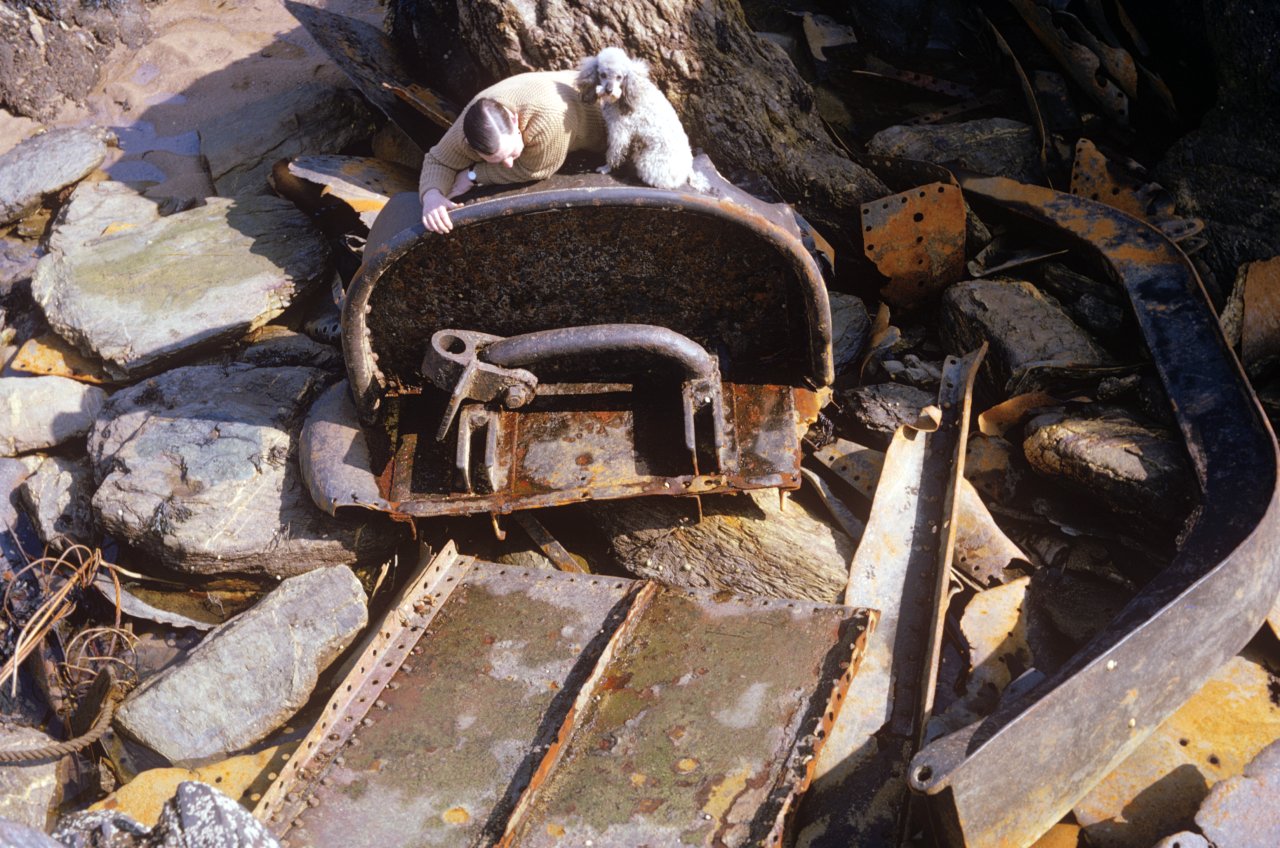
1006, 780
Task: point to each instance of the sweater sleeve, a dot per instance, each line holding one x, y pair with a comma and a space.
441, 164
544, 153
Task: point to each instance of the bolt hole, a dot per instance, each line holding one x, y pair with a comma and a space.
923, 774
453, 344
1214, 761
918, 217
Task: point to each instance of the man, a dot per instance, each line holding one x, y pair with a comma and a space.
515, 131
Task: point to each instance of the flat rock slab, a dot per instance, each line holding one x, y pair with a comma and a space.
1132, 466
41, 412
99, 209
752, 543
198, 468
316, 118
249, 675
29, 792
146, 297
47, 163
1026, 330
996, 146
57, 498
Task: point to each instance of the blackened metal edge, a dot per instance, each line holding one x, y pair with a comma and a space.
563, 192
1007, 779
385, 652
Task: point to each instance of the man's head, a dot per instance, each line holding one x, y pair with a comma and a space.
490, 129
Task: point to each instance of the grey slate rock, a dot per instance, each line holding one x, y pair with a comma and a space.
198, 468
242, 146
996, 146
41, 412
197, 816
1026, 330
1133, 467
850, 330
274, 346
1244, 811
249, 675
46, 163
29, 792
18, 259
145, 298
883, 407
1185, 839
94, 207
57, 498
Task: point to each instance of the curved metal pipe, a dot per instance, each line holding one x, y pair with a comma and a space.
596, 339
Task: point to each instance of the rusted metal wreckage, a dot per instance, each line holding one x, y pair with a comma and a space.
610, 341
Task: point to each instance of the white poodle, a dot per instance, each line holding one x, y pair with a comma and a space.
641, 123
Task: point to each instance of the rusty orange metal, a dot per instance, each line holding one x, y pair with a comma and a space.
916, 239
51, 355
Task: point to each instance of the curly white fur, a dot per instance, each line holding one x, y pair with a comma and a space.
642, 125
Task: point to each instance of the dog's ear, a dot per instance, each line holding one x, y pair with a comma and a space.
638, 69
586, 81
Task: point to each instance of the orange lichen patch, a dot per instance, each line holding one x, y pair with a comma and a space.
637, 779
455, 815
555, 830
686, 765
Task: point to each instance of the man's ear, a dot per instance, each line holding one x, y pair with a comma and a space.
586, 81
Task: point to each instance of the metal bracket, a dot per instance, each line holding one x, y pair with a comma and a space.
453, 363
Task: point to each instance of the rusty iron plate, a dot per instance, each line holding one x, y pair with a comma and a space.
488, 689
50, 354
699, 728
1007, 779
593, 251
370, 60
916, 239
362, 183
1095, 177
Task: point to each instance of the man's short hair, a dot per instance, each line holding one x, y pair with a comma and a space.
484, 122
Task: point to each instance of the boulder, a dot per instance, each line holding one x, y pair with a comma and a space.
1131, 466
47, 163
41, 412
57, 497
996, 146
312, 118
198, 467
29, 792
249, 675
1025, 328
146, 297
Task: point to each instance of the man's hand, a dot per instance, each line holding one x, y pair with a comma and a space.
461, 185
435, 211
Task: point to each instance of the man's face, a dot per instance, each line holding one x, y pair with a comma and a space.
510, 146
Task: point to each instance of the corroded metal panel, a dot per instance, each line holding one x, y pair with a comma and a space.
488, 690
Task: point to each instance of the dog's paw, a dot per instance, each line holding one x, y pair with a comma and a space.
603, 169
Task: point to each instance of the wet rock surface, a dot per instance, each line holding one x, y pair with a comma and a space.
850, 329
41, 412
996, 146
57, 497
249, 675
1136, 468
1026, 330
147, 297
47, 163
242, 147
198, 468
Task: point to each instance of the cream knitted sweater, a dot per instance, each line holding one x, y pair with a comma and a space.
553, 121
